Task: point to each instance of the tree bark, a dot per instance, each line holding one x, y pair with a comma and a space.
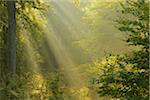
11, 38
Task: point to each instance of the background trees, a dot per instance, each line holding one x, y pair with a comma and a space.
126, 76
15, 24
29, 20
102, 36
56, 55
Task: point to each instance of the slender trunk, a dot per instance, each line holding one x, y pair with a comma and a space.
11, 39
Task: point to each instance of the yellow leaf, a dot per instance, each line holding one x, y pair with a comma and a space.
76, 2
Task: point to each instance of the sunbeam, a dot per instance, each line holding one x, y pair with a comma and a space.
74, 49
59, 29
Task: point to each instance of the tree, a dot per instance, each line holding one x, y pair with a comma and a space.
19, 19
11, 37
127, 76
13, 12
15, 18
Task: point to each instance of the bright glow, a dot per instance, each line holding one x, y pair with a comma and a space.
64, 29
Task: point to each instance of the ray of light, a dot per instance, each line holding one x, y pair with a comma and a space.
37, 80
59, 49
55, 36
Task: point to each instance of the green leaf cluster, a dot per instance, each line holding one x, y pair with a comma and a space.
126, 77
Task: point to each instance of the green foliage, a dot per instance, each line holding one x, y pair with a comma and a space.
120, 78
30, 23
101, 35
127, 76
3, 30
28, 86
57, 86
31, 16
34, 86
134, 20
60, 89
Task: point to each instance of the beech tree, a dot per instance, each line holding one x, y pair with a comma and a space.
11, 37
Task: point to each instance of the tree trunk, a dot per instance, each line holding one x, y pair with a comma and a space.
11, 38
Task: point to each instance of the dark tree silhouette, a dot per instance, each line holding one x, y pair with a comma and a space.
11, 38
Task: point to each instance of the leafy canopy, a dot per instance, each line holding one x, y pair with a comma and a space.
127, 76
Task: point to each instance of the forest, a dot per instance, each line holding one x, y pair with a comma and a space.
74, 50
